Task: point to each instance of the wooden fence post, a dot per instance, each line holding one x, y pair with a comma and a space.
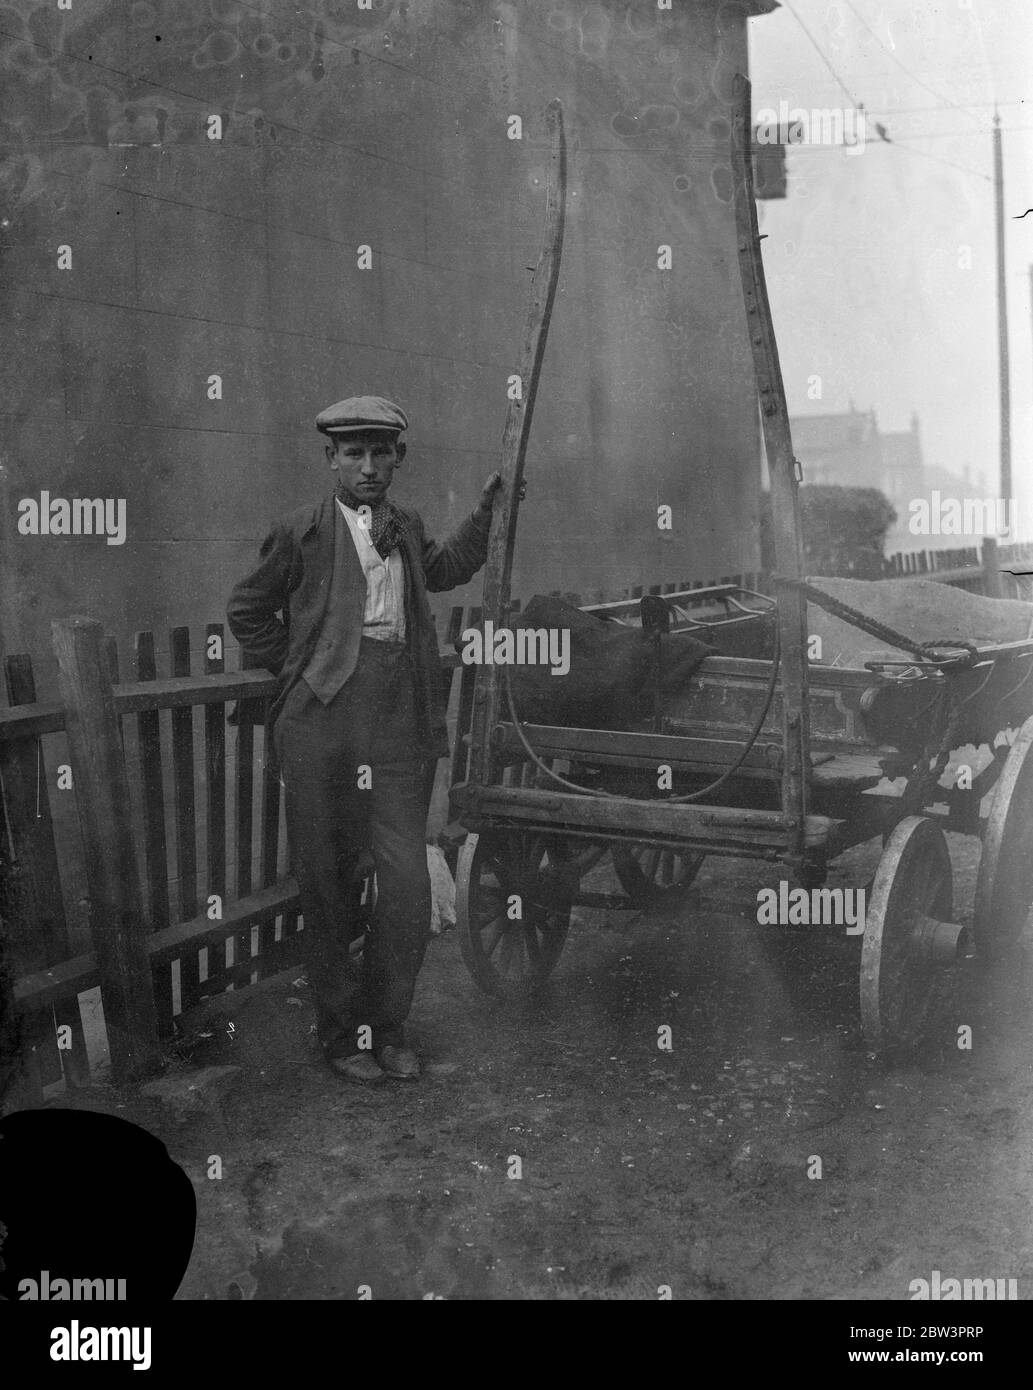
102, 794
35, 849
992, 585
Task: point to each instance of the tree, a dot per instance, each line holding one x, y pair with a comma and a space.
843, 530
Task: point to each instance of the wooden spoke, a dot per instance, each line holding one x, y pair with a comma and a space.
646, 872
509, 956
532, 944
497, 926
510, 948
589, 857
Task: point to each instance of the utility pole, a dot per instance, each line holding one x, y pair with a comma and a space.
1003, 368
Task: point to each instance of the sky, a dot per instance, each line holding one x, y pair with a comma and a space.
881, 261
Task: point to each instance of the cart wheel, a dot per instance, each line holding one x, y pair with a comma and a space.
510, 957
648, 871
1004, 888
909, 939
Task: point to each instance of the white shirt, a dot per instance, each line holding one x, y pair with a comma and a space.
384, 615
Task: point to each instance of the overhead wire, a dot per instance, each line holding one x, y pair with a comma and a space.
821, 54
859, 105
903, 67
973, 106
960, 134
938, 159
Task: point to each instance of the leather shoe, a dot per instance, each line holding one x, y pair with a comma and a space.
400, 1062
361, 1067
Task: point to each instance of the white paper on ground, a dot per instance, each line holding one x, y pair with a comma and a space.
442, 891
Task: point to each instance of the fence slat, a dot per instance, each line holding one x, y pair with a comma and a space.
26, 791
153, 784
155, 856
18, 1088
183, 777
40, 914
238, 946
105, 816
215, 766
21, 1084
109, 656
270, 817
245, 773
215, 799
183, 781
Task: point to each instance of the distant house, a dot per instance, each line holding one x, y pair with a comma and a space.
843, 450
904, 470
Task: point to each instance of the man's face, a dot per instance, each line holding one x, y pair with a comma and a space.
364, 463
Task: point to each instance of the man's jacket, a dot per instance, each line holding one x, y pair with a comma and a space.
276, 612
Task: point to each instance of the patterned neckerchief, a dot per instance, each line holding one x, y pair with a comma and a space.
384, 523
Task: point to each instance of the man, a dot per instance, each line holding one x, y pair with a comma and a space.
358, 713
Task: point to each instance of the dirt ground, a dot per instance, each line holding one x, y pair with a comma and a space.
640, 1168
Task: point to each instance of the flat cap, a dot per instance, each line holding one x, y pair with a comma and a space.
362, 413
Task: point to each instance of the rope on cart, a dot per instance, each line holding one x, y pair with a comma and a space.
873, 627
754, 734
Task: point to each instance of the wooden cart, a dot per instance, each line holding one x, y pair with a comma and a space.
773, 758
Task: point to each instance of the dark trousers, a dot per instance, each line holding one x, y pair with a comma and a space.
335, 812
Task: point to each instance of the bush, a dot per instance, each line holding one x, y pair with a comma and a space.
843, 531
